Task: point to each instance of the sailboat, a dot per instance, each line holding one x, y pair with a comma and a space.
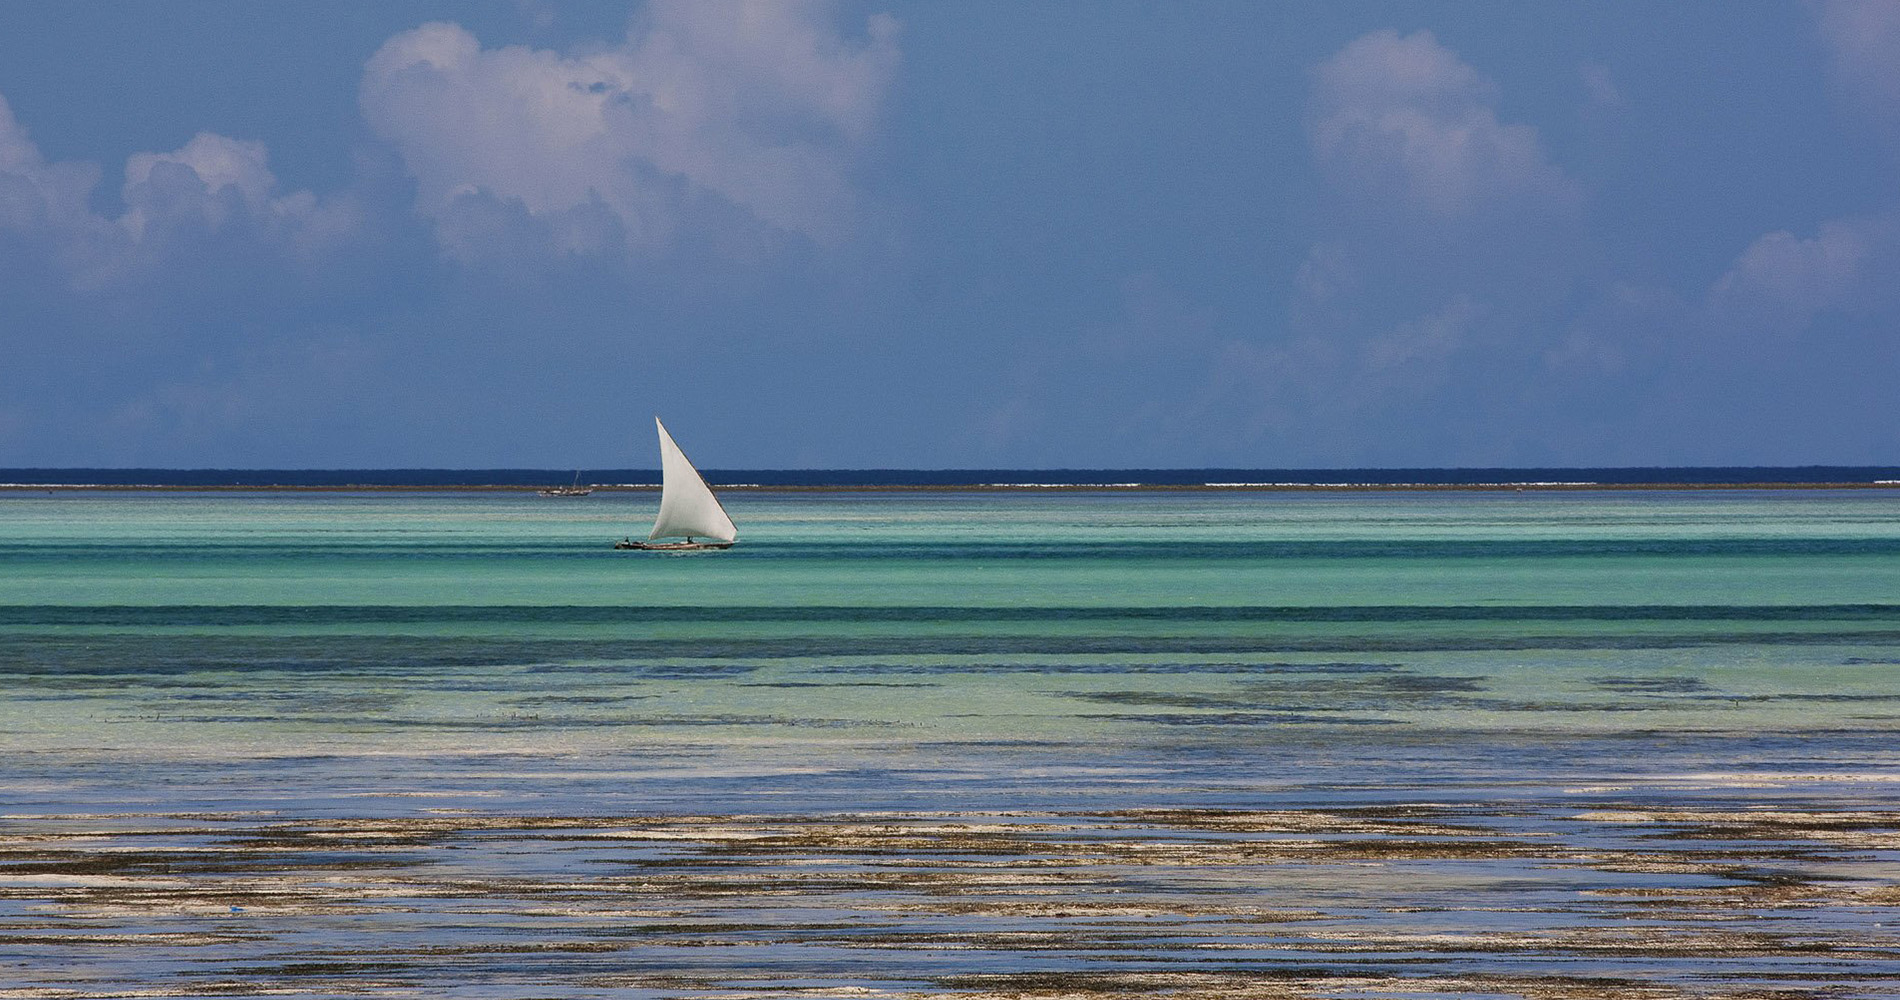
576, 490
688, 509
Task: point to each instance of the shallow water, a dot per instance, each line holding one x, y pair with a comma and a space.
940, 744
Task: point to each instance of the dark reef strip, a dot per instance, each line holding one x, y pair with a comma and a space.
140, 659
347, 614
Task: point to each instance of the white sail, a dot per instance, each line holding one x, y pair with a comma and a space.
688, 508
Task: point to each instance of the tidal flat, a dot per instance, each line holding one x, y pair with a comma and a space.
1400, 900
940, 745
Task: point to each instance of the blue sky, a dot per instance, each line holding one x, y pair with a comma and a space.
933, 235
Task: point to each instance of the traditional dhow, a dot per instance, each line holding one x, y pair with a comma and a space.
576, 490
688, 510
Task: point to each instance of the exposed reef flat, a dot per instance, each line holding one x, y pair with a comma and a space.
1617, 900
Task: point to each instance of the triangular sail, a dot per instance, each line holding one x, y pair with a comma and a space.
688, 508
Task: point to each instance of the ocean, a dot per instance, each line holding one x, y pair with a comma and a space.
910, 743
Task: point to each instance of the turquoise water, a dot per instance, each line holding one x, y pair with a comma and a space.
1421, 743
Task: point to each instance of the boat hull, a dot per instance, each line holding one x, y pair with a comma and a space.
671, 546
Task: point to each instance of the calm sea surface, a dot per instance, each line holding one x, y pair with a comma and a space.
942, 744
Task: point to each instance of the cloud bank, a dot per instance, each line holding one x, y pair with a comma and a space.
208, 310
1426, 278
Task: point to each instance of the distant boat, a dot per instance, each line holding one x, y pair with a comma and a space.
688, 509
576, 490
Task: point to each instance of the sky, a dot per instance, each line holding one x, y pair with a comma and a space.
926, 235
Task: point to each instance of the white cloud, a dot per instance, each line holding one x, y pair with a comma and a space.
218, 163
213, 182
1785, 280
47, 202
1403, 118
761, 106
211, 185
1804, 274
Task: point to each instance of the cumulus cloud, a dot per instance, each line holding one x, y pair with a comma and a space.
46, 204
217, 163
1403, 118
214, 182
1785, 280
706, 111
212, 186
